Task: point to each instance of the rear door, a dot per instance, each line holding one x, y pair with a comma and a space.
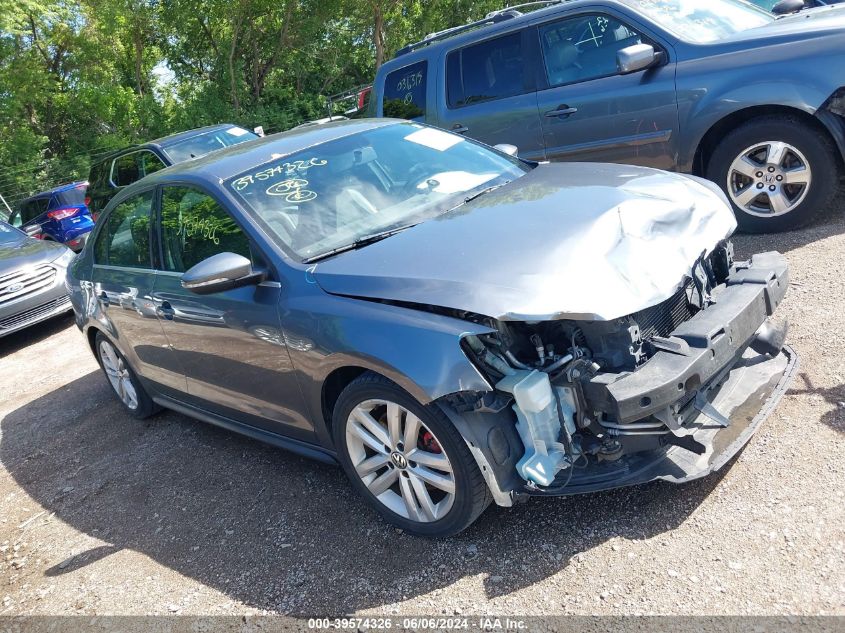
229, 343
588, 110
489, 93
123, 278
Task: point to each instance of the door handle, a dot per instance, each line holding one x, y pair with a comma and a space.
165, 311
104, 299
459, 129
561, 111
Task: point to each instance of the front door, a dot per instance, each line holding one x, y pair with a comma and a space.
490, 94
229, 343
589, 111
123, 279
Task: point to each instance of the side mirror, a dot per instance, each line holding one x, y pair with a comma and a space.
32, 230
507, 148
259, 130
785, 7
220, 272
637, 57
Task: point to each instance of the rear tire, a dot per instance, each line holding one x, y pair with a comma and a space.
777, 172
123, 380
395, 479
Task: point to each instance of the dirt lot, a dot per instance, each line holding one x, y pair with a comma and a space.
103, 514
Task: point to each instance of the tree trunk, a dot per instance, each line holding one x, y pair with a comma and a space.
138, 41
232, 80
378, 34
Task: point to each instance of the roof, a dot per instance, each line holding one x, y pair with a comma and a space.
58, 189
164, 141
233, 160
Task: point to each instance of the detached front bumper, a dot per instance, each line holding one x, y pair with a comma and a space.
705, 382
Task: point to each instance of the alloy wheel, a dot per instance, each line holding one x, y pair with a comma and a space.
118, 374
400, 460
769, 178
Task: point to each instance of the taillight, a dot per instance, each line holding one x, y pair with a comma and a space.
87, 201
61, 214
95, 215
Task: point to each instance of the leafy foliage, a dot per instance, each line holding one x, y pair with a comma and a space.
78, 79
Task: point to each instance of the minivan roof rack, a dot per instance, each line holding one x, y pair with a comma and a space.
493, 17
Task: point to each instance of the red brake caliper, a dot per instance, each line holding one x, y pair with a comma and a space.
428, 443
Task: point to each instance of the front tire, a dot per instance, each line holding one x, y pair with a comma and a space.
123, 380
407, 460
777, 171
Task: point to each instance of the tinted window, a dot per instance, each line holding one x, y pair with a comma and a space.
32, 209
194, 227
149, 163
125, 170
207, 142
583, 47
404, 92
486, 71
70, 197
125, 239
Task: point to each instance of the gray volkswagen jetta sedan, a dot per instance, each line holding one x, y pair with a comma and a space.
451, 324
32, 279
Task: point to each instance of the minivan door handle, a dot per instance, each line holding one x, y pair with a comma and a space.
165, 311
459, 129
561, 111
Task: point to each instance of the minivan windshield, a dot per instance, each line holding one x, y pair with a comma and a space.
703, 21
347, 191
207, 142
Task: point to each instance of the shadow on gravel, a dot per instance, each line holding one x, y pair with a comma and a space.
29, 336
826, 224
834, 418
281, 533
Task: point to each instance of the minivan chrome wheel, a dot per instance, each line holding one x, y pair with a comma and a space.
118, 375
769, 179
400, 460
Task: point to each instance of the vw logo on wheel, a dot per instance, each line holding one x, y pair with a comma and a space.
399, 460
14, 288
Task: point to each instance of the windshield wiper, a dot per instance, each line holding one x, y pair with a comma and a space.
478, 194
360, 242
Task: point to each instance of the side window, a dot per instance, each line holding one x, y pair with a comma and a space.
32, 209
125, 239
405, 91
15, 218
150, 163
124, 170
583, 47
489, 70
194, 227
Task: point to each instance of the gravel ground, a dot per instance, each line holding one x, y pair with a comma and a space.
101, 514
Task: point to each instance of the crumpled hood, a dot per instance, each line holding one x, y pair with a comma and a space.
568, 240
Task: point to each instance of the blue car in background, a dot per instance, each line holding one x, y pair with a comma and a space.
61, 213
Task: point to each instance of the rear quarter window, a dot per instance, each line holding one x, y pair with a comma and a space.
405, 92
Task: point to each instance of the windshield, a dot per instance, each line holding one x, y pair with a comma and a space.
9, 234
703, 21
71, 197
207, 142
351, 188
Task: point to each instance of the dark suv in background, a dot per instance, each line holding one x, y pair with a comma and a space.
718, 88
119, 169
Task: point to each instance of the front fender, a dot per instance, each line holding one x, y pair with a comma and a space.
418, 350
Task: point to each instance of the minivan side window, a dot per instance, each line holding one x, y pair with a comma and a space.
132, 167
125, 238
405, 92
485, 71
194, 226
583, 47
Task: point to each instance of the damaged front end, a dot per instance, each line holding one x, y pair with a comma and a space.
671, 392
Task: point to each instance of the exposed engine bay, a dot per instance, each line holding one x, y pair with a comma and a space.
598, 404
